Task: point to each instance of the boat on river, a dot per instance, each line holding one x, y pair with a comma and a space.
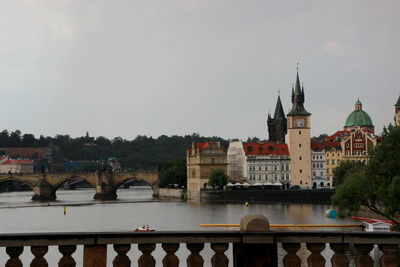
144, 228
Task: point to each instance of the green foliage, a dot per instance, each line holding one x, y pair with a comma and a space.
346, 168
217, 178
174, 172
141, 153
378, 188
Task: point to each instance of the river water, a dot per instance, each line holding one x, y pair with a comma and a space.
135, 207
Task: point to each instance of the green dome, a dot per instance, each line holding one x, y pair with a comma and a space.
358, 118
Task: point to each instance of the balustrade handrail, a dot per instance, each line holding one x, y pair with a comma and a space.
102, 238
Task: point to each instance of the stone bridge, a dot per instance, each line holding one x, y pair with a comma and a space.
45, 185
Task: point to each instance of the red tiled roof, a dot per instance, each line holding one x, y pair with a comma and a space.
24, 151
16, 161
267, 148
201, 145
316, 146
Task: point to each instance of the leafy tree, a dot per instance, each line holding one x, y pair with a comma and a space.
217, 178
28, 140
174, 172
346, 167
4, 139
378, 187
15, 138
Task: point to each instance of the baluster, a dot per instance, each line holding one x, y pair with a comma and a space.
291, 259
195, 259
146, 260
363, 259
14, 253
170, 260
39, 252
219, 258
121, 260
389, 258
339, 259
67, 260
316, 259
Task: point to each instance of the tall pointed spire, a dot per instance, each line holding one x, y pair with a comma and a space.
298, 98
398, 102
279, 113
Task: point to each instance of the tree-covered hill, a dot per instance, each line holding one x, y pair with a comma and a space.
141, 153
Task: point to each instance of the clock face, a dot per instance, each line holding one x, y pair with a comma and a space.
299, 123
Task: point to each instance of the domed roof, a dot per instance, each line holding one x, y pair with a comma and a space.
358, 117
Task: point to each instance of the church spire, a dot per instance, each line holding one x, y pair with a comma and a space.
398, 102
279, 113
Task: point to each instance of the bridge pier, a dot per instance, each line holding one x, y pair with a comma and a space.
104, 188
43, 191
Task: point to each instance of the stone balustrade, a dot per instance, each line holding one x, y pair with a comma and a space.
254, 245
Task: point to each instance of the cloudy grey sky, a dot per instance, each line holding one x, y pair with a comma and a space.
124, 68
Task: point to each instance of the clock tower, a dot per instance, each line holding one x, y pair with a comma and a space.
298, 124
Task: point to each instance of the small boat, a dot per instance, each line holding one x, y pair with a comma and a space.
144, 228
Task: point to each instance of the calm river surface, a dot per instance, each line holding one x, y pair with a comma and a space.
134, 207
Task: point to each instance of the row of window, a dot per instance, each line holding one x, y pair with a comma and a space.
266, 168
254, 177
317, 157
317, 165
333, 155
217, 160
333, 162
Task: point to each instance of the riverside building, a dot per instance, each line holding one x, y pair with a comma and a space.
201, 158
318, 165
267, 162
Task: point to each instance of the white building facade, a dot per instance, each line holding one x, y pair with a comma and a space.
267, 162
236, 159
318, 165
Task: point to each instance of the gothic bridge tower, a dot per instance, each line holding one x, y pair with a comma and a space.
298, 124
277, 126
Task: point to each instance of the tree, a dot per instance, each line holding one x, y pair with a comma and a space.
174, 172
346, 168
28, 140
376, 188
217, 178
15, 138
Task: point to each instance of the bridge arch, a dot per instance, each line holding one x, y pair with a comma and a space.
12, 178
71, 178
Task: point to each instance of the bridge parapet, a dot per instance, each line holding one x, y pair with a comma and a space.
249, 248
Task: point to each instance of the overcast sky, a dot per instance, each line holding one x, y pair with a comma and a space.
128, 68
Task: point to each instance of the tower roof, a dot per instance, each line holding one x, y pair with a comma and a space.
279, 113
298, 99
398, 102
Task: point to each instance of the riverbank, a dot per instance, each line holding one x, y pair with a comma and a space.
306, 196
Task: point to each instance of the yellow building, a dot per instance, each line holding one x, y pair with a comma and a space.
333, 158
201, 158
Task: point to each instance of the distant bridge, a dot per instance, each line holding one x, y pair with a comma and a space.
45, 185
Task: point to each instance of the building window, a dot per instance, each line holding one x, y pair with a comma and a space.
259, 177
301, 171
301, 182
212, 160
313, 165
259, 168
287, 167
275, 167
276, 177
287, 177
282, 177
282, 167
313, 157
322, 174
338, 161
299, 145
299, 132
300, 158
266, 177
327, 162
313, 173
327, 170
333, 162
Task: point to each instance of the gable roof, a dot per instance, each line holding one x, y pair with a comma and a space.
265, 148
